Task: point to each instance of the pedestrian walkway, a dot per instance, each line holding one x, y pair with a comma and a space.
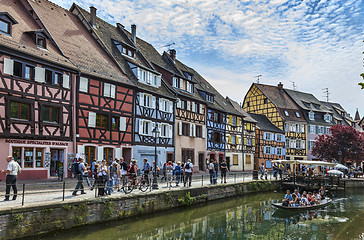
52, 192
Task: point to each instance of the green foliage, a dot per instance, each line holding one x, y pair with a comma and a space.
169, 198
361, 84
17, 219
79, 218
67, 207
109, 209
187, 200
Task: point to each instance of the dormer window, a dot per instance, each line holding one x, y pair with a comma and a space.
41, 42
298, 115
6, 22
190, 87
328, 117
175, 82
286, 113
311, 115
40, 38
188, 75
125, 49
209, 98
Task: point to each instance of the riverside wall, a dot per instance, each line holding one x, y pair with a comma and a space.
46, 218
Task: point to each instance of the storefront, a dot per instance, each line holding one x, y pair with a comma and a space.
39, 159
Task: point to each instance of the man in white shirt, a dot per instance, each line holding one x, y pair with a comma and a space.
188, 172
11, 171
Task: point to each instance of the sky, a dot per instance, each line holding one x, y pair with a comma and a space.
308, 45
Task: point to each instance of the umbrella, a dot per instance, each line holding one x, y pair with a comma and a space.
340, 166
317, 163
335, 172
284, 161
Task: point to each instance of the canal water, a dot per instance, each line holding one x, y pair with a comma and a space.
249, 217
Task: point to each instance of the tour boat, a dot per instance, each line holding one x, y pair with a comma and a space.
322, 203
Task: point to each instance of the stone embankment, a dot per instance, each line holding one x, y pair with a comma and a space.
34, 220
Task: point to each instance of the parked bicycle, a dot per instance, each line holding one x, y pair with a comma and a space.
133, 182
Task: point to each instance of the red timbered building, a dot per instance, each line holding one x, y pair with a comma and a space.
36, 125
270, 142
153, 101
103, 93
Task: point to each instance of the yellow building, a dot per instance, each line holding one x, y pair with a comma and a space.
283, 112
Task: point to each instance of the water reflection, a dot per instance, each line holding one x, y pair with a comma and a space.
250, 217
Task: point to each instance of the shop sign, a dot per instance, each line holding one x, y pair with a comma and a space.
36, 142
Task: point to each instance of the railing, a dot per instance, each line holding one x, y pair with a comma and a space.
36, 193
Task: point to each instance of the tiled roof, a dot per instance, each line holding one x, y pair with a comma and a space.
245, 115
336, 109
77, 43
282, 101
307, 101
108, 33
21, 41
264, 124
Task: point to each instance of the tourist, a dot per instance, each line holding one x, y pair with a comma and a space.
85, 176
310, 198
164, 171
216, 169
297, 193
280, 170
12, 171
123, 172
146, 169
295, 201
133, 171
182, 173
112, 177
304, 200
169, 173
211, 171
261, 169
79, 171
275, 170
316, 197
177, 173
287, 198
322, 193
103, 174
96, 166
188, 172
223, 169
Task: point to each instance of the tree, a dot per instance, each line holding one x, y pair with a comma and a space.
343, 144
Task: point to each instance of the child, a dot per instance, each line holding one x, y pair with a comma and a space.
169, 173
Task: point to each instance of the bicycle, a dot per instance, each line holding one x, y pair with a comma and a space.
132, 183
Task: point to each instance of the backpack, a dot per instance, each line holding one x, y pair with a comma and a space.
177, 170
187, 166
76, 168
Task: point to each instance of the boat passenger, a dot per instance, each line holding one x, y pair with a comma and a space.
310, 198
295, 202
322, 193
316, 197
304, 200
297, 193
287, 198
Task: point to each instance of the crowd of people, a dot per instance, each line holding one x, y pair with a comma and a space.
306, 199
109, 178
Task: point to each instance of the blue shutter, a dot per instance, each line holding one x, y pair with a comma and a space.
283, 151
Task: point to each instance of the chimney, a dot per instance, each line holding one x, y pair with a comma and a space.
133, 33
93, 16
280, 86
172, 54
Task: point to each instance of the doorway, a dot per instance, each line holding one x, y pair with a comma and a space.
228, 163
201, 161
127, 155
57, 160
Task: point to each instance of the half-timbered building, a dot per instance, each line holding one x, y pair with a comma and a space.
104, 94
248, 126
36, 83
153, 101
319, 118
270, 142
283, 112
190, 124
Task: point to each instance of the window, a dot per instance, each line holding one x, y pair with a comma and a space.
265, 100
267, 150
312, 128
18, 67
50, 114
209, 98
109, 90
279, 151
233, 121
175, 82
188, 75
198, 131
248, 104
190, 87
39, 157
311, 116
124, 50
17, 154
29, 72
58, 79
267, 136
145, 127
108, 154
235, 159
147, 100
188, 154
298, 115
33, 157
249, 142
217, 137
316, 106
286, 113
5, 26
185, 129
279, 138
165, 105
310, 144
20, 110
249, 126
248, 159
287, 143
101, 121
90, 154
48, 76
41, 42
298, 144
328, 118
115, 123
308, 105
28, 157
233, 139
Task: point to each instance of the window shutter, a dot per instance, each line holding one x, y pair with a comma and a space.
194, 130
179, 128
122, 124
283, 138
230, 119
154, 99
141, 99
245, 141
265, 150
303, 144
160, 130
8, 66
229, 139
201, 109
159, 79
179, 103
152, 128
170, 104
92, 119
100, 153
302, 128
106, 90
113, 91
188, 105
66, 81
141, 129
181, 83
83, 84
193, 106
265, 136
253, 142
203, 131
275, 136
39, 74
191, 130
160, 105
81, 149
170, 131
237, 140
117, 153
283, 151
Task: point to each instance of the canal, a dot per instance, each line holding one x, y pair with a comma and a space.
250, 217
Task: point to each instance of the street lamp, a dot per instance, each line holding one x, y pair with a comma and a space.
339, 153
155, 134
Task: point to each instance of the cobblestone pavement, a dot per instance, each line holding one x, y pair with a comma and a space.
40, 193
